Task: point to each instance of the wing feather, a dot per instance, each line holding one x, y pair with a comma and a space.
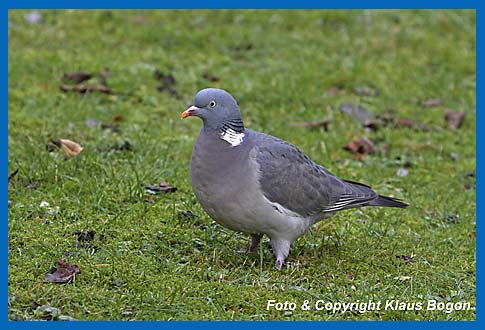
291, 179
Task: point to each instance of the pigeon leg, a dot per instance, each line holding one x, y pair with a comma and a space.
281, 249
253, 246
255, 239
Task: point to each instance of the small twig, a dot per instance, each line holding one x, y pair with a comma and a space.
13, 174
36, 286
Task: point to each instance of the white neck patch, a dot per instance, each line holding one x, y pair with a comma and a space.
232, 137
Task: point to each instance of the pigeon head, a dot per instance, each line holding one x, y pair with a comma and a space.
217, 109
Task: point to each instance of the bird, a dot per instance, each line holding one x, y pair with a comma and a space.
255, 183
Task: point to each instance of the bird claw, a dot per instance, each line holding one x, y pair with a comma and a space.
278, 264
252, 248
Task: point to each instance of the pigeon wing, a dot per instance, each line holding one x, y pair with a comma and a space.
288, 177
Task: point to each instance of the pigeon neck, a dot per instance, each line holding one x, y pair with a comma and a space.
232, 131
235, 125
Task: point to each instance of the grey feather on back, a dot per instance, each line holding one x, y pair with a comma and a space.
289, 178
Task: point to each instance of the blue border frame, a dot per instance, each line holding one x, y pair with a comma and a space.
249, 4
266, 4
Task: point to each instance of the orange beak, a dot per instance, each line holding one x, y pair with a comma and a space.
189, 112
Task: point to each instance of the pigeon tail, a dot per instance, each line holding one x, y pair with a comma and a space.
387, 202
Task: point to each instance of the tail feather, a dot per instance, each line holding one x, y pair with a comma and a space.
387, 202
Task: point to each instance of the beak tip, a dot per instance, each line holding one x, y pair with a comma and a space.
189, 112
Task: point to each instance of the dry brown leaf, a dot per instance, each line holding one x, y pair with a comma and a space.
167, 82
454, 119
362, 146
69, 147
63, 273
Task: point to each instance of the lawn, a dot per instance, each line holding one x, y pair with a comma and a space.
155, 255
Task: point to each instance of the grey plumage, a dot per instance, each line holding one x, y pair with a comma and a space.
256, 183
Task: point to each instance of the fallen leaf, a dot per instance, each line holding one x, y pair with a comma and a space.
362, 146
63, 273
454, 119
76, 77
407, 258
118, 118
357, 111
162, 187
69, 147
432, 103
167, 82
210, 77
13, 174
112, 127
316, 124
86, 88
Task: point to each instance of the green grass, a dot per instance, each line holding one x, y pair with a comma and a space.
157, 264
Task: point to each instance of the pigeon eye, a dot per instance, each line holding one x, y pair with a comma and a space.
212, 104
